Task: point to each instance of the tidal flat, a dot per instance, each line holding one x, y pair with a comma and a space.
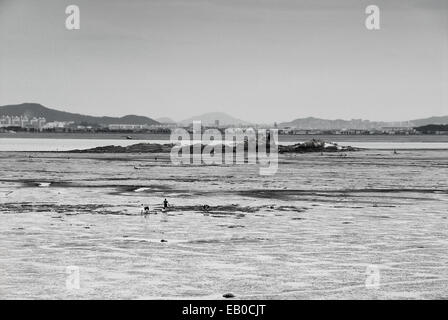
311, 231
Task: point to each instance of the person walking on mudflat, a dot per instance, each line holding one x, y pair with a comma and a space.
165, 204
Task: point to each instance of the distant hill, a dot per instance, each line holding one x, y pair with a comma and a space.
38, 110
209, 119
165, 120
432, 128
432, 120
323, 124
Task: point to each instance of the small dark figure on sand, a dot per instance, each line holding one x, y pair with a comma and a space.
165, 204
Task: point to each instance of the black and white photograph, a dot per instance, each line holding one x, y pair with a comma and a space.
223, 150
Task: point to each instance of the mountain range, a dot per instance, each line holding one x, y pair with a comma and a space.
38, 110
431, 120
322, 124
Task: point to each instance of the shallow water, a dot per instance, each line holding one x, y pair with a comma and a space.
10, 143
310, 231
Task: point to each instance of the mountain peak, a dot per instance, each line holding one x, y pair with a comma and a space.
209, 118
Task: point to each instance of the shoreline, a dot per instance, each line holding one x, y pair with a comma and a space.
281, 138
140, 153
164, 146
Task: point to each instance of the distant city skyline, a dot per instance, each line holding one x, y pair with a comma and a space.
259, 61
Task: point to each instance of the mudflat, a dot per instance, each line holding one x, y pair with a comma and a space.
312, 230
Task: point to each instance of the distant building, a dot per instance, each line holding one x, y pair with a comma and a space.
22, 122
58, 124
5, 121
117, 127
16, 121
37, 123
398, 130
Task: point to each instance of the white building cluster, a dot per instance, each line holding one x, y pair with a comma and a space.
114, 127
22, 121
139, 127
58, 124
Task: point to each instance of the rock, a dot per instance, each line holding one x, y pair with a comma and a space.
315, 146
308, 146
135, 148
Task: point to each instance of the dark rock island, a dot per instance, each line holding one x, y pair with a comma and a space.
304, 147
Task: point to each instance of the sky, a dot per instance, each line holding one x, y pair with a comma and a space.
257, 60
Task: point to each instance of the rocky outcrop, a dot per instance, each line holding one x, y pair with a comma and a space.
315, 146
309, 146
135, 148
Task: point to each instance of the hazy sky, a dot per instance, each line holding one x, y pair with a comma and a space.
258, 60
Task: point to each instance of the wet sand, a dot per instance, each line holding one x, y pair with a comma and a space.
310, 231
